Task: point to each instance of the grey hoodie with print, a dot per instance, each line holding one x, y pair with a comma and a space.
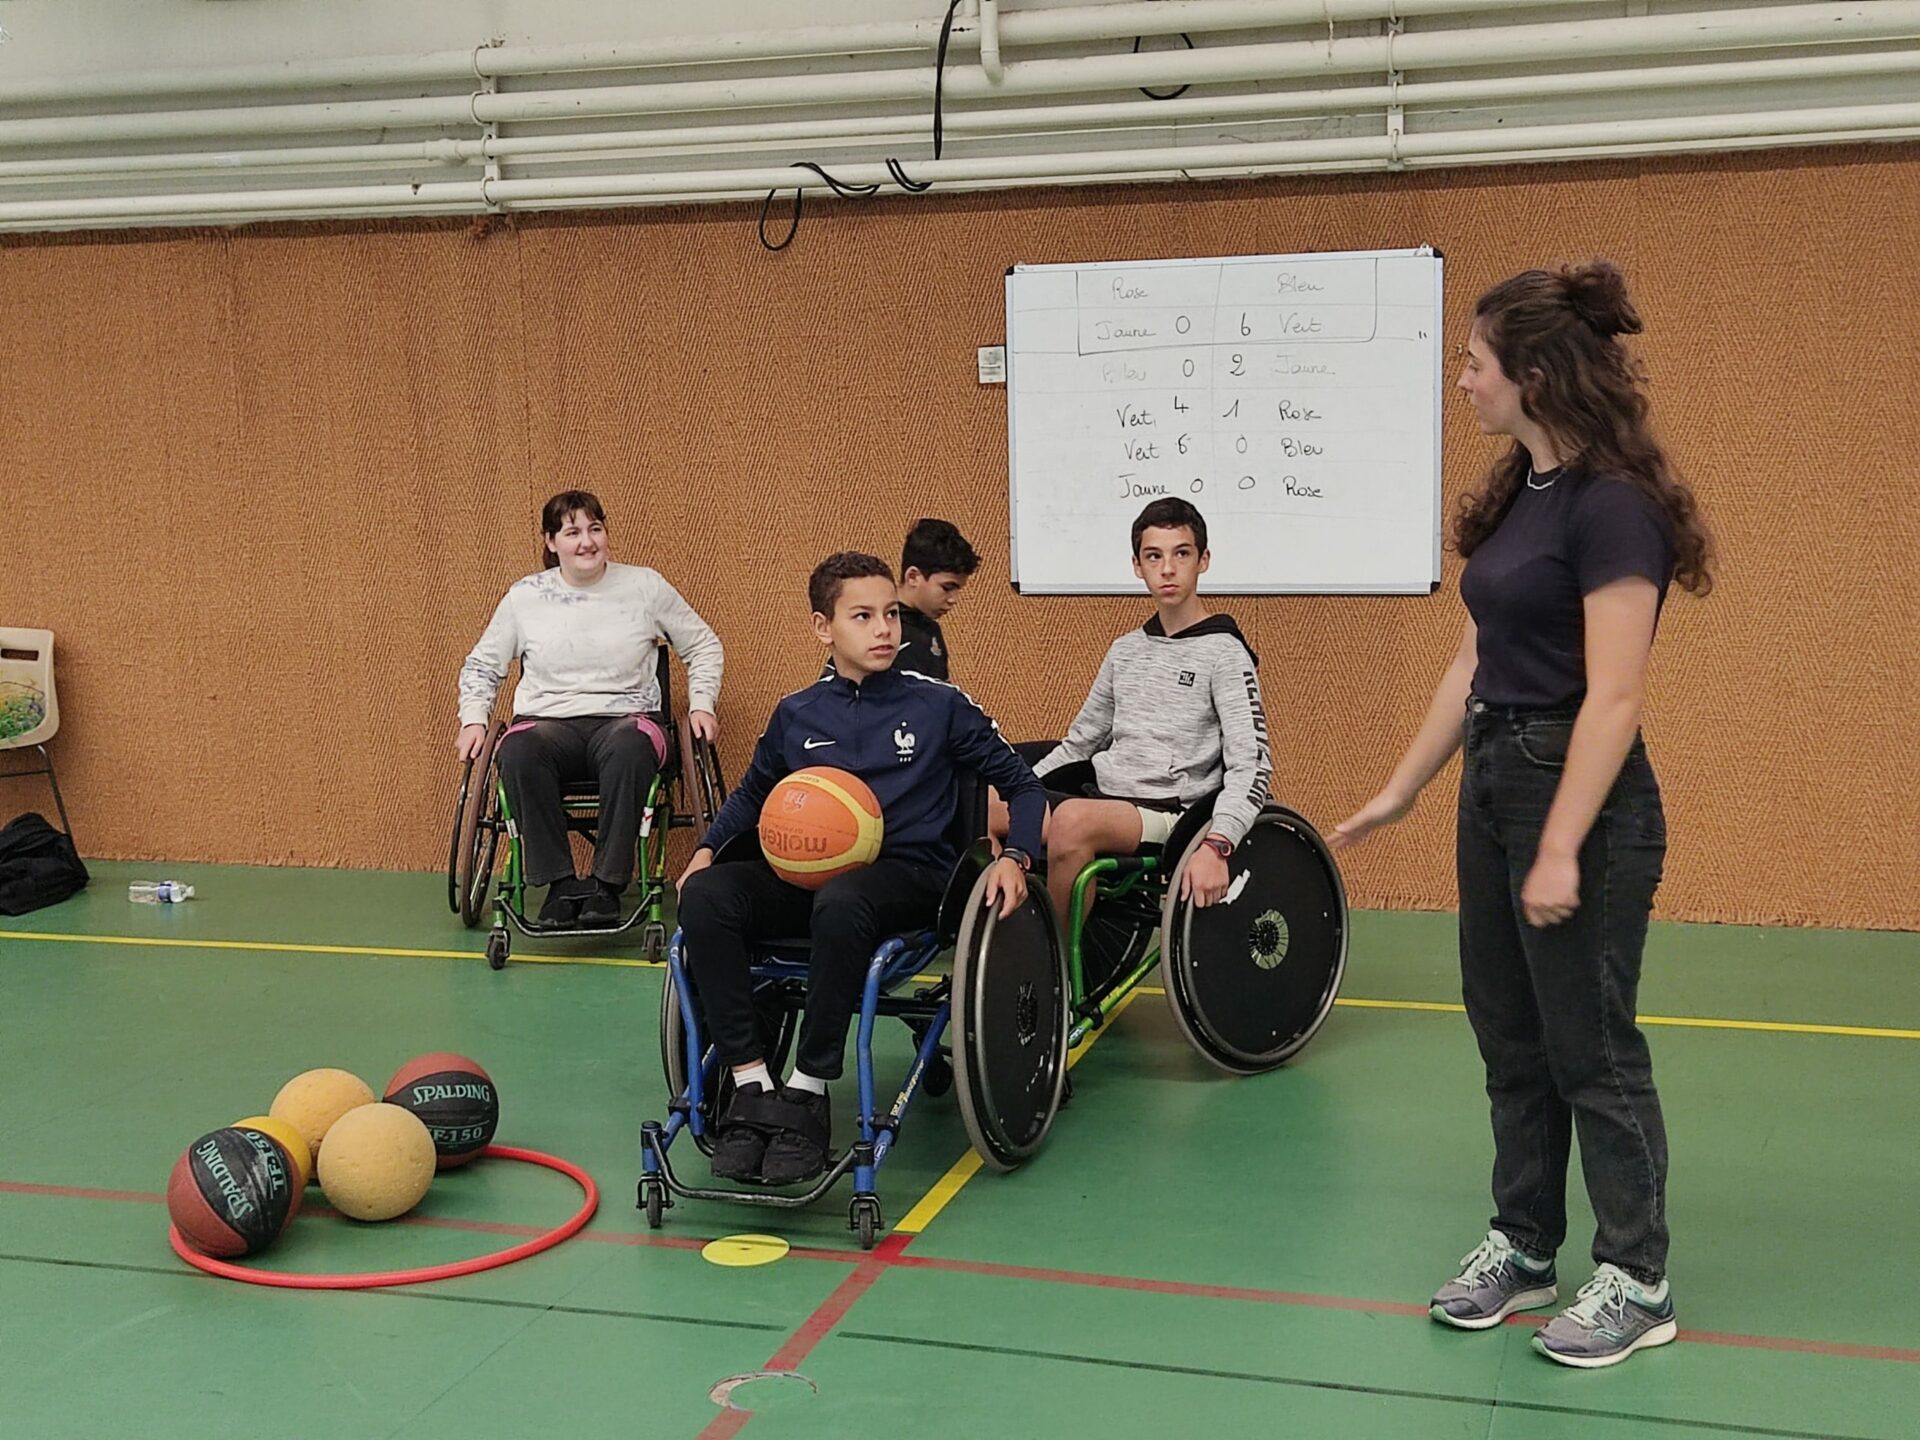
1176, 717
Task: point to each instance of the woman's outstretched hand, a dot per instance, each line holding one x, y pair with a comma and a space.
1383, 809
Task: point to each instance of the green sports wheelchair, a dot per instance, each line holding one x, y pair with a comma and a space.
1249, 980
685, 794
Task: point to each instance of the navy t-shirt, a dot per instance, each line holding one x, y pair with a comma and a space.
1565, 535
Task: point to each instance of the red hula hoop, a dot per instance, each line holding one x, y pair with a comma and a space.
371, 1280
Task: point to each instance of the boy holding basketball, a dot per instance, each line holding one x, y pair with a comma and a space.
1174, 715
902, 734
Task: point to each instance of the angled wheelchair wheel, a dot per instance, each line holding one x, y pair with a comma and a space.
703, 785
476, 834
1251, 979
1011, 1008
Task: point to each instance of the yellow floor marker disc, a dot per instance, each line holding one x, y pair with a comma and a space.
735, 1251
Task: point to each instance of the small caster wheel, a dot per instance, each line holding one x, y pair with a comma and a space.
865, 1220
653, 941
939, 1077
653, 1200
498, 946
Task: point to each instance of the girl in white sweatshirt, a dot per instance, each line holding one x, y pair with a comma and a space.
588, 703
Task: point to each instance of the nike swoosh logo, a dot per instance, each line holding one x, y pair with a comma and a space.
816, 744
905, 645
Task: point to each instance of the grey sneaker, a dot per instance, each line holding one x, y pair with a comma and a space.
1494, 1281
1609, 1319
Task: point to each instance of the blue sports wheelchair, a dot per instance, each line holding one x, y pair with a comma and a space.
1249, 980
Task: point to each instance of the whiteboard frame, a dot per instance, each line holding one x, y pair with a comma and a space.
1428, 587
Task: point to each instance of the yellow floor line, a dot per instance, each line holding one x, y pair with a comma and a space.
1682, 1022
275, 946
968, 1165
1785, 1027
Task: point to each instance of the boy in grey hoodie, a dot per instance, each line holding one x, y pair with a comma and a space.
1174, 715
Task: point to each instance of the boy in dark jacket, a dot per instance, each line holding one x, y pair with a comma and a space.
904, 735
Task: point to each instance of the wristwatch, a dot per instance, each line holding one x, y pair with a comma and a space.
1017, 855
1220, 846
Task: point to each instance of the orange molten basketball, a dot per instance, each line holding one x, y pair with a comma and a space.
819, 823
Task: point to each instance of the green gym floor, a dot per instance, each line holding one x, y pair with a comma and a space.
1191, 1255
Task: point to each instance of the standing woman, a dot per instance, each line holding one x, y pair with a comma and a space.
588, 703
1571, 541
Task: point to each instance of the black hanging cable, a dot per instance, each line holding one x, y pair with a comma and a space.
793, 226
1170, 94
838, 186
895, 171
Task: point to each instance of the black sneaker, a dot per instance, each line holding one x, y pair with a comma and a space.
561, 909
740, 1145
601, 907
798, 1152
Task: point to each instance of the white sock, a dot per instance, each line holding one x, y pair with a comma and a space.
1651, 1294
754, 1074
1539, 1267
800, 1080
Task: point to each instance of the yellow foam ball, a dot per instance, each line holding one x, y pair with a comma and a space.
284, 1132
377, 1162
313, 1101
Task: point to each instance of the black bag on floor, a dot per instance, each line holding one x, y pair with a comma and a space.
38, 865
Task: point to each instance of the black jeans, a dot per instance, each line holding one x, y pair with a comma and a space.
538, 758
726, 907
1553, 1009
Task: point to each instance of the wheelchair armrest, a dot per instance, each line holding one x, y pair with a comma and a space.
1193, 823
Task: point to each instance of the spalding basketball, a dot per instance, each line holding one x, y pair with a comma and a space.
454, 1099
234, 1191
819, 823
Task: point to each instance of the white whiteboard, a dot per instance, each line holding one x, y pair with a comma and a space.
1295, 399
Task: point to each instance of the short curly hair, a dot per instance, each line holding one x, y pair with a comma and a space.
831, 575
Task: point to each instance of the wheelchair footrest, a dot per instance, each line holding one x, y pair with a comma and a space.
772, 1199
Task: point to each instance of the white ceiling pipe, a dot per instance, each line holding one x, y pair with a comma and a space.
1243, 109
1527, 44
1744, 130
491, 62
1098, 163
990, 63
1163, 17
1352, 164
1192, 17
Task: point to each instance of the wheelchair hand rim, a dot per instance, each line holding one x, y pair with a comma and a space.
1236, 1038
1008, 1102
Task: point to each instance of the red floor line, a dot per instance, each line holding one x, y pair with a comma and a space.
1831, 1348
817, 1326
869, 1267
1838, 1348
75, 1192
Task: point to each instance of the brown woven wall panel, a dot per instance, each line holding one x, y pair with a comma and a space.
266, 487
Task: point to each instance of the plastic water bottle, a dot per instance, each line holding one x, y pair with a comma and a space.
159, 892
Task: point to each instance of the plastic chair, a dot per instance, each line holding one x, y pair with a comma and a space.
29, 708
